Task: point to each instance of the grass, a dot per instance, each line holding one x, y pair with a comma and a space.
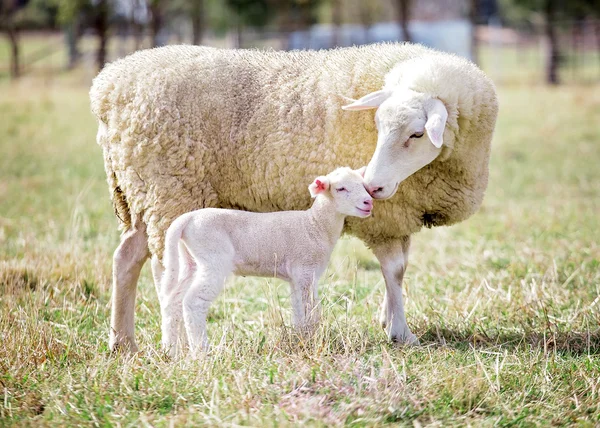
506, 304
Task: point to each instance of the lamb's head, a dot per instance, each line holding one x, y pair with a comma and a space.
403, 118
345, 187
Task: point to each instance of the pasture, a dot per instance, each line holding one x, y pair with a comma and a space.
506, 304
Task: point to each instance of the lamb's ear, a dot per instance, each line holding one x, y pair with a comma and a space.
437, 115
320, 185
361, 171
369, 101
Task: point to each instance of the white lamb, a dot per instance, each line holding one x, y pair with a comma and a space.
291, 245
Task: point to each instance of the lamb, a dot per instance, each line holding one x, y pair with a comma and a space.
292, 245
187, 127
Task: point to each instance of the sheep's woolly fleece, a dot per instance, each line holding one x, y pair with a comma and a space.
185, 127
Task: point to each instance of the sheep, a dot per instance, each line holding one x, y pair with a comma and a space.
187, 127
295, 246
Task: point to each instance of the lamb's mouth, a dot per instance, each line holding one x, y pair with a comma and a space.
366, 212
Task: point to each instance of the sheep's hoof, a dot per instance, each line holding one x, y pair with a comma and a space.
123, 347
383, 323
409, 340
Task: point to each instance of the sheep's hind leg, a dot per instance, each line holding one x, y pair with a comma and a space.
128, 260
206, 285
393, 257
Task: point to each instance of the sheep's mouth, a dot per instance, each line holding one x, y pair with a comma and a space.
388, 196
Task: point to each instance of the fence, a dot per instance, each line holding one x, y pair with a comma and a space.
509, 55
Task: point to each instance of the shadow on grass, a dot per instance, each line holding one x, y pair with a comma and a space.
573, 343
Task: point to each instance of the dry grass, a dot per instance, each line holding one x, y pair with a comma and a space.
507, 304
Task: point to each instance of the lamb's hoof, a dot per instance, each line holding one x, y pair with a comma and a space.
408, 340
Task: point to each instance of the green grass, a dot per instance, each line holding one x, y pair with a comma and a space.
506, 304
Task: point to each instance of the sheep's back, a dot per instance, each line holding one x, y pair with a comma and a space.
191, 127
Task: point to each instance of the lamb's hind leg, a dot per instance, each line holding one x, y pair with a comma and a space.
128, 260
173, 336
393, 257
206, 285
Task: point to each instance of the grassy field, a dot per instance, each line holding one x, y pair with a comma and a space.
506, 304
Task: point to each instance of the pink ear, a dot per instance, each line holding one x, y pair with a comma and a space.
320, 185
361, 171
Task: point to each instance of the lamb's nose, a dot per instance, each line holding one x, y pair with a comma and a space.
374, 190
368, 203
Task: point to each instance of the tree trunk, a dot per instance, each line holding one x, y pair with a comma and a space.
72, 33
553, 53
597, 29
156, 21
13, 37
197, 21
101, 26
239, 35
474, 14
403, 7
336, 20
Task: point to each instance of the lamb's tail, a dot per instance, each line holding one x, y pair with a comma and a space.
170, 277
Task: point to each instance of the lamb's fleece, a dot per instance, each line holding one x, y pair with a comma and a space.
186, 127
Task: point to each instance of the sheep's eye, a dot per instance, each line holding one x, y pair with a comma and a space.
341, 189
417, 135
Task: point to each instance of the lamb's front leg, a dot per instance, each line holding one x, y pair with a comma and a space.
306, 311
393, 257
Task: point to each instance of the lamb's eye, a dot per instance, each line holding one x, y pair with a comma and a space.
341, 189
417, 135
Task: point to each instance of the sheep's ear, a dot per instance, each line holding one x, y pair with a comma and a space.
361, 171
320, 185
437, 115
369, 101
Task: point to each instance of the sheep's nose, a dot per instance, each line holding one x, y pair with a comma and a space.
374, 190
368, 203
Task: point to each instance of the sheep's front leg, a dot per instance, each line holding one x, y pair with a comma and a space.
128, 260
306, 312
393, 257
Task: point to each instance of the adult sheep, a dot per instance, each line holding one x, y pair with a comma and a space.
186, 127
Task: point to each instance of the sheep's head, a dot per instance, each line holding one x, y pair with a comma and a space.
403, 118
346, 188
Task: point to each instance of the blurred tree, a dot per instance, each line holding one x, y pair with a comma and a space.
69, 17
75, 15
16, 15
474, 17
197, 15
550, 11
580, 9
368, 14
195, 11
8, 24
252, 13
138, 16
100, 21
157, 11
403, 12
296, 15
336, 20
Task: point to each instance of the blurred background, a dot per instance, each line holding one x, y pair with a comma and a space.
554, 41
